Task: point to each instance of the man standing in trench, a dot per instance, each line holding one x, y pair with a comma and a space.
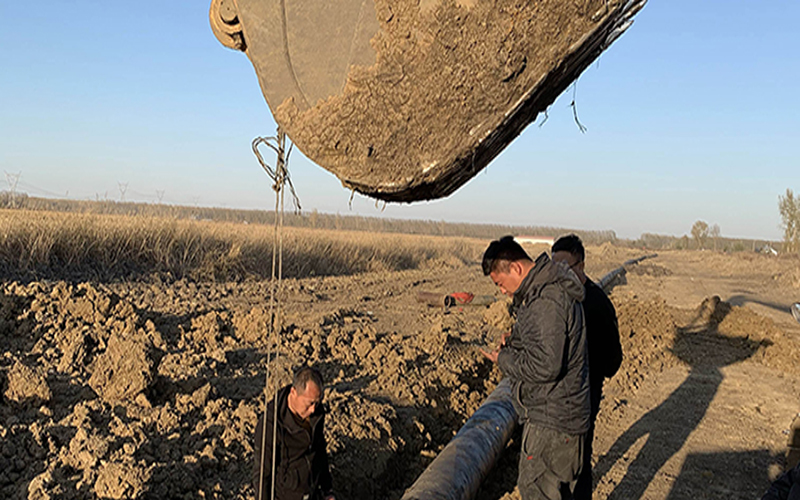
602, 338
545, 357
301, 465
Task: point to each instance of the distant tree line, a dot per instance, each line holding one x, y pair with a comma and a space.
703, 237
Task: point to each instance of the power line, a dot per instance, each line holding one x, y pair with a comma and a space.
140, 195
31, 187
16, 183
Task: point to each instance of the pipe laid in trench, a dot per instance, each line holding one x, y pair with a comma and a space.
458, 471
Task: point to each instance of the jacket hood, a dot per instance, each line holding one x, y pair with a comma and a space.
545, 272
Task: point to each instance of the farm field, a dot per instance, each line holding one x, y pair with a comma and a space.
123, 383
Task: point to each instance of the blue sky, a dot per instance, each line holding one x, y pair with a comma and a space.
692, 114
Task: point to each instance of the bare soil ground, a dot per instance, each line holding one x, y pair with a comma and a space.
151, 390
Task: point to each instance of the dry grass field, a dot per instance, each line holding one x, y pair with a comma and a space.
113, 247
133, 358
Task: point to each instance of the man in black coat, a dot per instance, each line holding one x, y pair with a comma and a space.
602, 336
301, 465
545, 358
786, 487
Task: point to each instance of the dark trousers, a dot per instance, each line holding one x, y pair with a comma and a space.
548, 459
583, 488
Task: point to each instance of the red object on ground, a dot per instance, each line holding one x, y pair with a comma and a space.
462, 297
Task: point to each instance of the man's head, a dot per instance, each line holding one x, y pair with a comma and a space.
306, 392
506, 263
569, 249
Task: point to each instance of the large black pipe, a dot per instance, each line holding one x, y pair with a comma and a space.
457, 472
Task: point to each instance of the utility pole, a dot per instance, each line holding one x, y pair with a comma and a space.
13, 180
123, 186
160, 195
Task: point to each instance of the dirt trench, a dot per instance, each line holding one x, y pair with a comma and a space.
152, 391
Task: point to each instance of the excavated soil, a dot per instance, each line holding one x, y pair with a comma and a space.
151, 390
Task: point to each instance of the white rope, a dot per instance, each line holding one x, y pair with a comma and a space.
280, 178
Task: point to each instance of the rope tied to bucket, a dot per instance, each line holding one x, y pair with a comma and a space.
281, 179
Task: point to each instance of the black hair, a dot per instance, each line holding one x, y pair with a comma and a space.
303, 376
506, 249
571, 244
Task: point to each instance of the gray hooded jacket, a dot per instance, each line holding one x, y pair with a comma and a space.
546, 356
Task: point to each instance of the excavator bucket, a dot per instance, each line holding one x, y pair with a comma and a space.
406, 100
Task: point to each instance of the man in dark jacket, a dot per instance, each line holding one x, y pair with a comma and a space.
301, 464
602, 337
545, 357
786, 487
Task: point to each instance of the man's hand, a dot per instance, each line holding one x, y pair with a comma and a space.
491, 356
330, 497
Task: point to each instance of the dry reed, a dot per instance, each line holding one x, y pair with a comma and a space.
87, 246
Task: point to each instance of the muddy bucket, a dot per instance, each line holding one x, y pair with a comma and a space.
407, 100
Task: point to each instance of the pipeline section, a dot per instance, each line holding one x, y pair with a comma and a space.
458, 471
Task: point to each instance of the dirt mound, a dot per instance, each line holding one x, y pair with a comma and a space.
65, 341
655, 336
789, 277
26, 383
647, 329
776, 349
653, 270
124, 370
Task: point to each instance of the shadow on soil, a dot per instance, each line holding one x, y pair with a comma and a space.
666, 427
16, 417
706, 476
740, 300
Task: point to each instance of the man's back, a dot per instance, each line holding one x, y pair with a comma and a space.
786, 487
602, 337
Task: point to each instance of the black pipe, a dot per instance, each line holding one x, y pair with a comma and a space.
458, 471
